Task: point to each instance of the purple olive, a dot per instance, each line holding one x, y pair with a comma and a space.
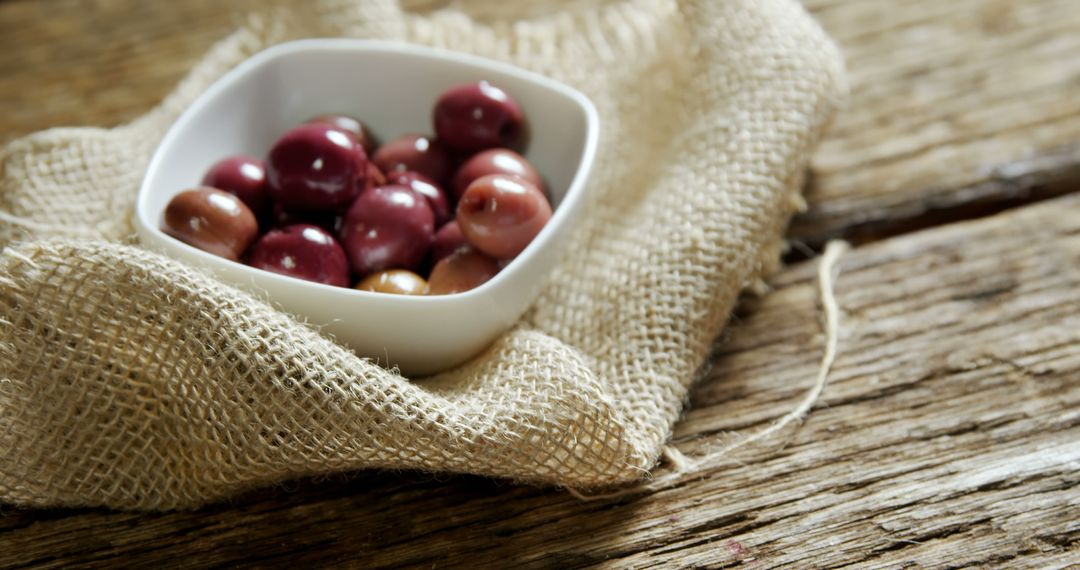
389, 227
417, 153
500, 215
427, 188
462, 270
494, 161
244, 177
394, 281
211, 220
447, 240
303, 251
316, 167
478, 116
352, 125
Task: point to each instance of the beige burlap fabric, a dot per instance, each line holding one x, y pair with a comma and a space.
132, 381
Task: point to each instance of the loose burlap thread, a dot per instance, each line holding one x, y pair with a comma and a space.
132, 381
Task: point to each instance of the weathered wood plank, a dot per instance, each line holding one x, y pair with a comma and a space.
950, 435
958, 108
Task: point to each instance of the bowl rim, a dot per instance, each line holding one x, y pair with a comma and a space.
571, 200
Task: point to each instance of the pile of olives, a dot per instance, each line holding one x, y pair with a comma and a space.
333, 206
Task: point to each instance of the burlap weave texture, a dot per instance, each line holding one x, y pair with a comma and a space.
131, 381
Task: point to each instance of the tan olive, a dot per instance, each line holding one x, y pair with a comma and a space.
500, 214
211, 220
460, 271
394, 281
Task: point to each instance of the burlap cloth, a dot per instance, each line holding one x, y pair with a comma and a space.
132, 381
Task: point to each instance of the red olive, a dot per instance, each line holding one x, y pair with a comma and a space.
500, 215
244, 177
303, 251
387, 227
462, 270
394, 281
429, 189
494, 161
211, 220
352, 125
447, 240
414, 152
374, 177
316, 167
477, 116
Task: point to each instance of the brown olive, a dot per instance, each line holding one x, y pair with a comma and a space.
460, 271
394, 281
500, 214
211, 220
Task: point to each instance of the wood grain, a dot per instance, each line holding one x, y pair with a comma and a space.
950, 435
958, 109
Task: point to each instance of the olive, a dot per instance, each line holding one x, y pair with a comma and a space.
478, 116
460, 271
244, 177
500, 215
494, 161
447, 240
429, 189
389, 227
352, 125
212, 220
394, 281
417, 153
303, 251
316, 167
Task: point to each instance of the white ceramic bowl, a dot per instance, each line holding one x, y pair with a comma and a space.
392, 87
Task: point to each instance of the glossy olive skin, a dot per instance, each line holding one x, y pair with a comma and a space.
211, 220
316, 167
395, 282
244, 177
494, 161
373, 178
460, 271
427, 188
478, 116
352, 125
389, 227
303, 251
500, 215
417, 153
447, 240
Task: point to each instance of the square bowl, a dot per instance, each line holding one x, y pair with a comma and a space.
392, 87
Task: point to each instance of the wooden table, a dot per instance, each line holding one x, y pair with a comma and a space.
948, 436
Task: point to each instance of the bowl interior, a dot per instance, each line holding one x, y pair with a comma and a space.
391, 87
